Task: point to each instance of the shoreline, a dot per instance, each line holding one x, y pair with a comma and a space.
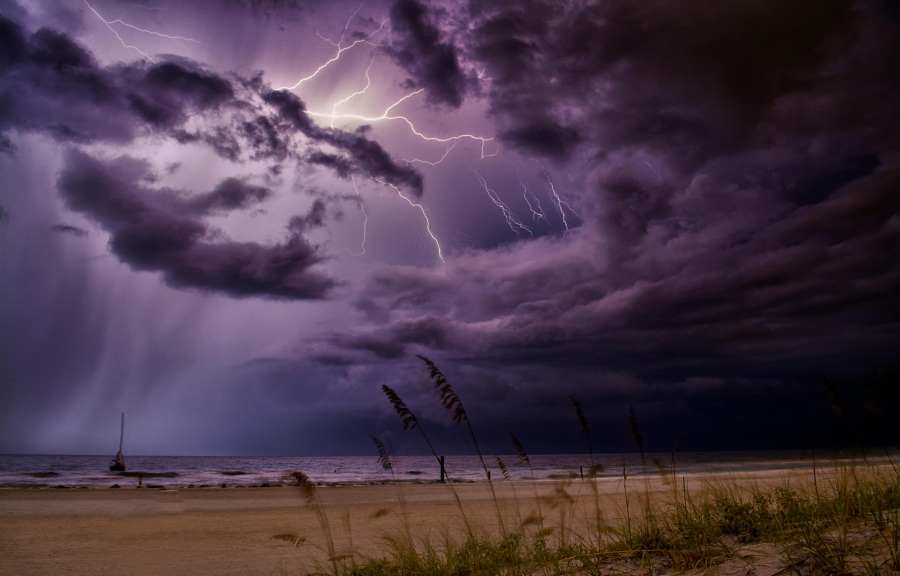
155, 480
215, 531
50, 471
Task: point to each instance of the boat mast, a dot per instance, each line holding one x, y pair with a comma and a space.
122, 434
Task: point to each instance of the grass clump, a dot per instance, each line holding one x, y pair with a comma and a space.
844, 518
849, 525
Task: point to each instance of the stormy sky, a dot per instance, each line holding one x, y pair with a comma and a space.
236, 220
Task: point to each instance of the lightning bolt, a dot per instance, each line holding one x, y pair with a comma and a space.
341, 50
365, 220
419, 206
658, 175
449, 149
346, 27
385, 116
109, 24
471, 239
559, 203
512, 220
535, 214
357, 93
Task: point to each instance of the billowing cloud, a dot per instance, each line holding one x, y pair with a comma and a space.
728, 174
720, 277
735, 212
686, 82
148, 233
53, 85
229, 194
69, 229
418, 49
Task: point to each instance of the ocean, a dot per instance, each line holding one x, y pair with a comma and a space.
23, 470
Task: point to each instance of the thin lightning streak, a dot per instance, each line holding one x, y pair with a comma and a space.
560, 203
344, 33
535, 214
658, 175
160, 34
347, 25
512, 220
461, 233
363, 91
419, 206
449, 149
336, 56
365, 221
111, 29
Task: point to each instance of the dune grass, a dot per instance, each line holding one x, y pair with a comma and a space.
843, 519
847, 525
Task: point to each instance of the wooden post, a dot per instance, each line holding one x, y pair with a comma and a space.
581, 468
442, 469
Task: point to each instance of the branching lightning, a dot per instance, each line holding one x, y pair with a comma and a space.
512, 220
335, 115
385, 116
560, 203
357, 93
109, 24
346, 27
341, 50
449, 149
535, 214
419, 206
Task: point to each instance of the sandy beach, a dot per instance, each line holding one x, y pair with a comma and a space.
230, 531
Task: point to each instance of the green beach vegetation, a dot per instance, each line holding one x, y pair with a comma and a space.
842, 517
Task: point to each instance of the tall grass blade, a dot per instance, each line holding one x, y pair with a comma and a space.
384, 457
585, 429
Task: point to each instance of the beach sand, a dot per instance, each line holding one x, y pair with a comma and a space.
200, 531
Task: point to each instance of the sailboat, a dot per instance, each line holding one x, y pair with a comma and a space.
118, 464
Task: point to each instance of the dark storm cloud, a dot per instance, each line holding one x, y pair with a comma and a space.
371, 159
740, 213
773, 211
363, 155
688, 81
544, 139
68, 229
432, 64
339, 164
229, 194
53, 85
147, 234
741, 280
390, 343
171, 89
313, 219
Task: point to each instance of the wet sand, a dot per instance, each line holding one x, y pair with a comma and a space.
201, 531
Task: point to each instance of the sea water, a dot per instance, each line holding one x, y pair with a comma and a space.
93, 471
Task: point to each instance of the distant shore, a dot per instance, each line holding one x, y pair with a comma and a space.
50, 471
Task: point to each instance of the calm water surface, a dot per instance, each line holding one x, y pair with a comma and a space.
50, 470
